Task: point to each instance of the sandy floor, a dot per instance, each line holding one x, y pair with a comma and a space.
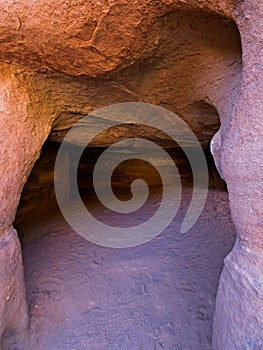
160, 295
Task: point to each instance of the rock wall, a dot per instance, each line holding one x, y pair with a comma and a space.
239, 313
21, 140
63, 60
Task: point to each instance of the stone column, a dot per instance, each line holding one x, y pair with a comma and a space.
21, 139
238, 321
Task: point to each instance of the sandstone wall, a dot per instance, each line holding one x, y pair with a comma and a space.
62, 59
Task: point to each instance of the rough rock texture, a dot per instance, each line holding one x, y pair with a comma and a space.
239, 315
15, 162
22, 135
86, 37
13, 308
62, 59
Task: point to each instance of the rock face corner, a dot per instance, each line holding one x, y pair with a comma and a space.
13, 308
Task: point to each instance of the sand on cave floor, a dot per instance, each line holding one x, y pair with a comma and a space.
160, 295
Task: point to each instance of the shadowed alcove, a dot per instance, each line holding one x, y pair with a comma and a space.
160, 295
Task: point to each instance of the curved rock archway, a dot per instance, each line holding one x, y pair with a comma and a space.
61, 61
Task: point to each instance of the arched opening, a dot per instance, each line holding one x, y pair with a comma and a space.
161, 294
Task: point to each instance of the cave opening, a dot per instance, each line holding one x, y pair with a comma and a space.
76, 289
161, 294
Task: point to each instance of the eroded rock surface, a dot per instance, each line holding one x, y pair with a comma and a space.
87, 37
61, 60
